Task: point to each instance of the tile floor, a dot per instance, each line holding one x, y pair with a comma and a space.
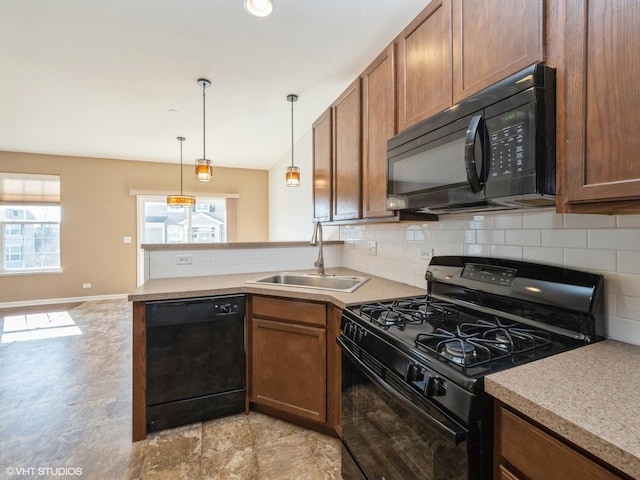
65, 406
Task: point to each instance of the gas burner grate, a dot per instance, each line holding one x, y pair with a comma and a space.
473, 344
401, 313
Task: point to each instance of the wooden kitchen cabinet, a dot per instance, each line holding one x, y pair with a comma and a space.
322, 167
492, 40
523, 451
378, 125
294, 360
424, 65
598, 107
347, 154
456, 48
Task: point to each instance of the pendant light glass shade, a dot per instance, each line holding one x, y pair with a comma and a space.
292, 176
204, 169
181, 200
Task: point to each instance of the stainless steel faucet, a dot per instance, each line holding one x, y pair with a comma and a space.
316, 239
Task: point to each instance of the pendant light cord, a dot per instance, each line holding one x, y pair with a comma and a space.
204, 119
292, 131
181, 140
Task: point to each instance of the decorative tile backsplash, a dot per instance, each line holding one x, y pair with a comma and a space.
609, 245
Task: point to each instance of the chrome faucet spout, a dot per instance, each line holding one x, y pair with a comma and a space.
316, 239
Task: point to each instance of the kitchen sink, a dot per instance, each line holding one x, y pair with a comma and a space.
340, 283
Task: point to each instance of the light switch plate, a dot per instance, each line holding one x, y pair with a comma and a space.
426, 254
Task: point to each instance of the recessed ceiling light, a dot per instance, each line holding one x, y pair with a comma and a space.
173, 110
259, 8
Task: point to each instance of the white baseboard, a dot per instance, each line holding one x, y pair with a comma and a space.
52, 301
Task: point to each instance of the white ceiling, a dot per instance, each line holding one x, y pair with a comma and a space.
98, 78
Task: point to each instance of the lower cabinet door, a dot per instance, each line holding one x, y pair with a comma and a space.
289, 368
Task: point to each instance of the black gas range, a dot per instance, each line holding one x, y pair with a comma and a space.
414, 368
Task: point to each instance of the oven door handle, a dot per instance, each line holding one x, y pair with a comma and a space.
455, 434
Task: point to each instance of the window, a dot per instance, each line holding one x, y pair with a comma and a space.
29, 222
204, 223
31, 240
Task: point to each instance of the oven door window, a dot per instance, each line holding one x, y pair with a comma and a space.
390, 441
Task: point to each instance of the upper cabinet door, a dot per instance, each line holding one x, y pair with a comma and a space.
322, 165
600, 92
493, 39
424, 65
347, 156
378, 125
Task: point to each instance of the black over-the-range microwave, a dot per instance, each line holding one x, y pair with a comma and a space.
494, 150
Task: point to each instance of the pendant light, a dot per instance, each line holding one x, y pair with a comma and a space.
293, 172
204, 170
181, 200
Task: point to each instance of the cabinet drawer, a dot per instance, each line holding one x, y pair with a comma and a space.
538, 455
292, 310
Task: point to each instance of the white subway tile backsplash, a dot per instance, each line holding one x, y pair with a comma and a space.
589, 221
442, 236
548, 256
506, 251
490, 236
628, 307
622, 284
506, 220
628, 262
573, 238
523, 237
452, 249
590, 259
543, 219
463, 236
619, 239
622, 329
628, 221
478, 222
477, 250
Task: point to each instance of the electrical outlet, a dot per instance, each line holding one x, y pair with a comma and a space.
184, 260
126, 239
426, 254
86, 285
372, 248
351, 245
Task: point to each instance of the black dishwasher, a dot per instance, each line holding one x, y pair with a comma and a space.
195, 360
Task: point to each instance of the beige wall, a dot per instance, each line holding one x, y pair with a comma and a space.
98, 211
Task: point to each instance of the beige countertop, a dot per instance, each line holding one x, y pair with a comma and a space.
376, 289
590, 396
229, 245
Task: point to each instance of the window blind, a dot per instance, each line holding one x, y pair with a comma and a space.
29, 188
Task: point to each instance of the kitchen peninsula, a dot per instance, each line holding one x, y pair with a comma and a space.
303, 301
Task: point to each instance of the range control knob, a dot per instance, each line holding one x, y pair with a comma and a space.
414, 373
360, 334
435, 387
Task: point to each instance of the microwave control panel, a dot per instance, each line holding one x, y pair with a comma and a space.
508, 134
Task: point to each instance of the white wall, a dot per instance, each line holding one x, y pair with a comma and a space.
609, 245
291, 208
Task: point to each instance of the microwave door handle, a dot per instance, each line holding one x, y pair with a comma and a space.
476, 176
